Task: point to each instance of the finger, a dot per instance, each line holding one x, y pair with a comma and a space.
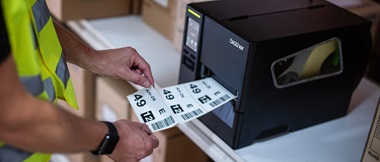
146, 129
148, 75
137, 79
138, 71
145, 69
155, 141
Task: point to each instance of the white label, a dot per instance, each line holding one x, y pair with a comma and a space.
151, 109
173, 105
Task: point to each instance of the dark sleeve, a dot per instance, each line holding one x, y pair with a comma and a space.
4, 43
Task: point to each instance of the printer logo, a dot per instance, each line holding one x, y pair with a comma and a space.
236, 44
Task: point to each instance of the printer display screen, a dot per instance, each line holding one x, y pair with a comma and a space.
192, 34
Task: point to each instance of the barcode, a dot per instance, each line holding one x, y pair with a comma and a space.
191, 114
163, 123
220, 100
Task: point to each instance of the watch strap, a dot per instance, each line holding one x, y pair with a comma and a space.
109, 141
111, 128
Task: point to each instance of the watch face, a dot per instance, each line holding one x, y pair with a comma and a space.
109, 144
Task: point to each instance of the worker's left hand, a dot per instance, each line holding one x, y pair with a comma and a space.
136, 141
123, 63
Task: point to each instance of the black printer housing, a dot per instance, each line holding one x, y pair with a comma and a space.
237, 42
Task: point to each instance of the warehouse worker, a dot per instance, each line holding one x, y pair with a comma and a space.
34, 74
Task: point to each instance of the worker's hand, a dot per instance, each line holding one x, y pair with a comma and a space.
136, 142
124, 63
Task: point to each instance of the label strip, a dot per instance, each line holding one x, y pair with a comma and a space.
165, 108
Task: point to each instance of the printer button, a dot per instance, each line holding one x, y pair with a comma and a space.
192, 56
185, 51
188, 62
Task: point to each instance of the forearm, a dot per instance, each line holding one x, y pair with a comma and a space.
36, 125
120, 63
74, 49
51, 129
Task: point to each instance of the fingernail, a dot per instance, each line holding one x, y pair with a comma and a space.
146, 84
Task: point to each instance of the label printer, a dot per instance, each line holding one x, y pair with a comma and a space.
292, 64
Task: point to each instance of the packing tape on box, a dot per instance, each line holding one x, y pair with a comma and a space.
165, 108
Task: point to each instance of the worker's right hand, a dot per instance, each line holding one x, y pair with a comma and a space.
136, 141
123, 63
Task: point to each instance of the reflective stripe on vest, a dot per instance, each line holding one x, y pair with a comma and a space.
49, 88
41, 14
62, 71
10, 154
33, 84
51, 54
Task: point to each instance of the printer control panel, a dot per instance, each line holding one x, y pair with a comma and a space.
191, 46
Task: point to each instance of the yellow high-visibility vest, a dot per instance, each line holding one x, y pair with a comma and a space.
40, 62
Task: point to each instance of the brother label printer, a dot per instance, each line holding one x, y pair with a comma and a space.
292, 64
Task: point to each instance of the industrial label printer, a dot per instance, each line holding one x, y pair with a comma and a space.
292, 64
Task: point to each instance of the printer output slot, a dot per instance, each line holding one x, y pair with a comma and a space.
206, 72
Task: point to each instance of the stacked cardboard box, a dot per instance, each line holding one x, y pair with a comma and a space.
136, 7
111, 102
65, 10
160, 15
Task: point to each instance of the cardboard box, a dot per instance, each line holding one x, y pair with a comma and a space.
111, 101
176, 146
136, 7
180, 23
371, 151
369, 10
65, 10
84, 84
160, 16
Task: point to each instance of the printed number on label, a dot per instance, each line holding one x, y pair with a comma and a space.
195, 88
204, 99
168, 95
139, 101
177, 108
147, 116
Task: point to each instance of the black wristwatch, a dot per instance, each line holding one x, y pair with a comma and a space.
109, 141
